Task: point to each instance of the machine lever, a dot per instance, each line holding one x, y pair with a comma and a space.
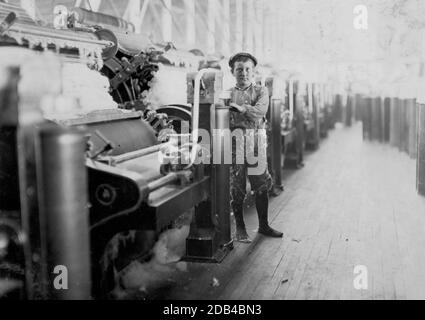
107, 147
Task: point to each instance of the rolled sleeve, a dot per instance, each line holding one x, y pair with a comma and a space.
259, 110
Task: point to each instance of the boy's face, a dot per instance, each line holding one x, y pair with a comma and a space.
243, 72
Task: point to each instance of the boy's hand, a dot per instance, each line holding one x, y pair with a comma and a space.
237, 108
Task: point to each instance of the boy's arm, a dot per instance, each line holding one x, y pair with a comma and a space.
259, 110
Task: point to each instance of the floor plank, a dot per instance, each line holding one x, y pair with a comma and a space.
354, 204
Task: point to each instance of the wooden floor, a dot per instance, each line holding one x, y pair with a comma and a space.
354, 204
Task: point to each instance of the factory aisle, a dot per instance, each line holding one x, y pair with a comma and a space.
354, 204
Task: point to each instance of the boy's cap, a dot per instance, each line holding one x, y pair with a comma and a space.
236, 56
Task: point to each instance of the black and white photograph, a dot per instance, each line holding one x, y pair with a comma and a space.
230, 152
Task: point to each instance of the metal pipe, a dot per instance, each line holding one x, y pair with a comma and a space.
139, 153
412, 127
367, 118
196, 100
161, 182
195, 113
276, 143
386, 119
291, 98
403, 146
222, 176
135, 154
377, 119
88, 17
310, 96
80, 37
64, 216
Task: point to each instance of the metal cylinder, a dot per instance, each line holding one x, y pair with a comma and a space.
399, 123
162, 182
338, 108
420, 159
393, 121
64, 214
403, 126
367, 118
222, 176
358, 99
349, 111
9, 197
372, 121
316, 115
376, 130
407, 125
413, 128
136, 154
386, 111
276, 141
89, 17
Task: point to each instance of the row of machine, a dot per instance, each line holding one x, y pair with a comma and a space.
396, 119
83, 143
